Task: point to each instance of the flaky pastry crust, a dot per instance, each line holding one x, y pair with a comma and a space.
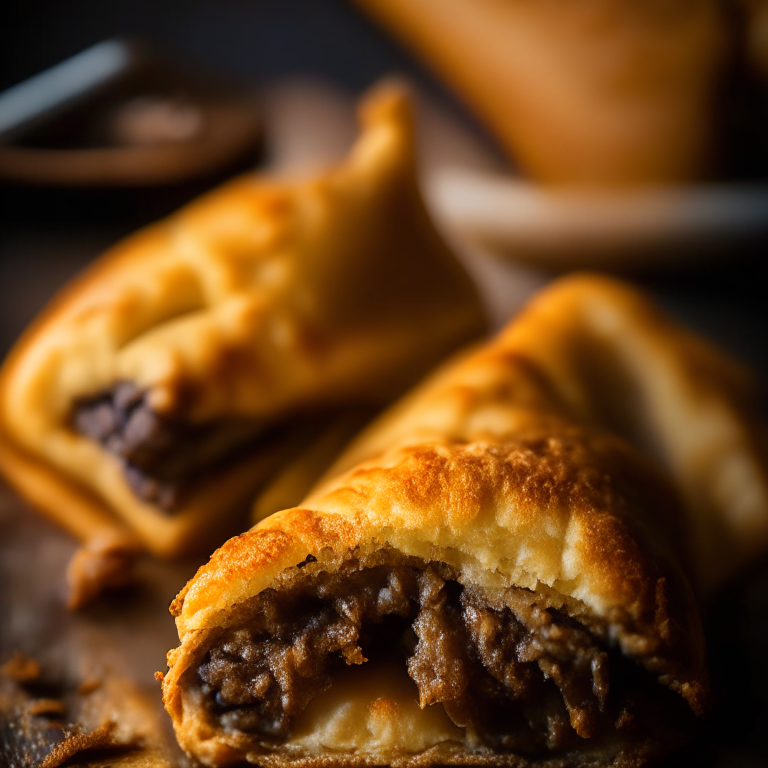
595, 352
530, 463
263, 302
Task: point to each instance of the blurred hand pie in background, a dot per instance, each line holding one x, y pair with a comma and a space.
163, 386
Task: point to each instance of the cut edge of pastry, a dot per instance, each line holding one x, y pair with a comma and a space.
505, 474
364, 720
638, 596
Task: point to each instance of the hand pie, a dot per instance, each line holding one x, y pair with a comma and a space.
489, 575
165, 383
597, 353
584, 92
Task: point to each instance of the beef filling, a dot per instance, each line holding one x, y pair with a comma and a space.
519, 676
162, 457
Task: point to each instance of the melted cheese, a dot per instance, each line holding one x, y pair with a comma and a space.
373, 708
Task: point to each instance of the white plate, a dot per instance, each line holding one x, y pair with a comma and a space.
618, 229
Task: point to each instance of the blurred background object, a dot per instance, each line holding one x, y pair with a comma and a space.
114, 115
757, 35
602, 92
622, 230
115, 127
640, 129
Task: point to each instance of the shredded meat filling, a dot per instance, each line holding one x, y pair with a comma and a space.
520, 676
162, 457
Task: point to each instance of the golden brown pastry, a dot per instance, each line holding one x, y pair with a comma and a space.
490, 574
587, 91
168, 381
598, 353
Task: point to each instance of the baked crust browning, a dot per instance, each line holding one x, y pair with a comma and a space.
559, 516
592, 351
177, 357
528, 476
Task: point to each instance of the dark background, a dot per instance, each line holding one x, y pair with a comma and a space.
258, 39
